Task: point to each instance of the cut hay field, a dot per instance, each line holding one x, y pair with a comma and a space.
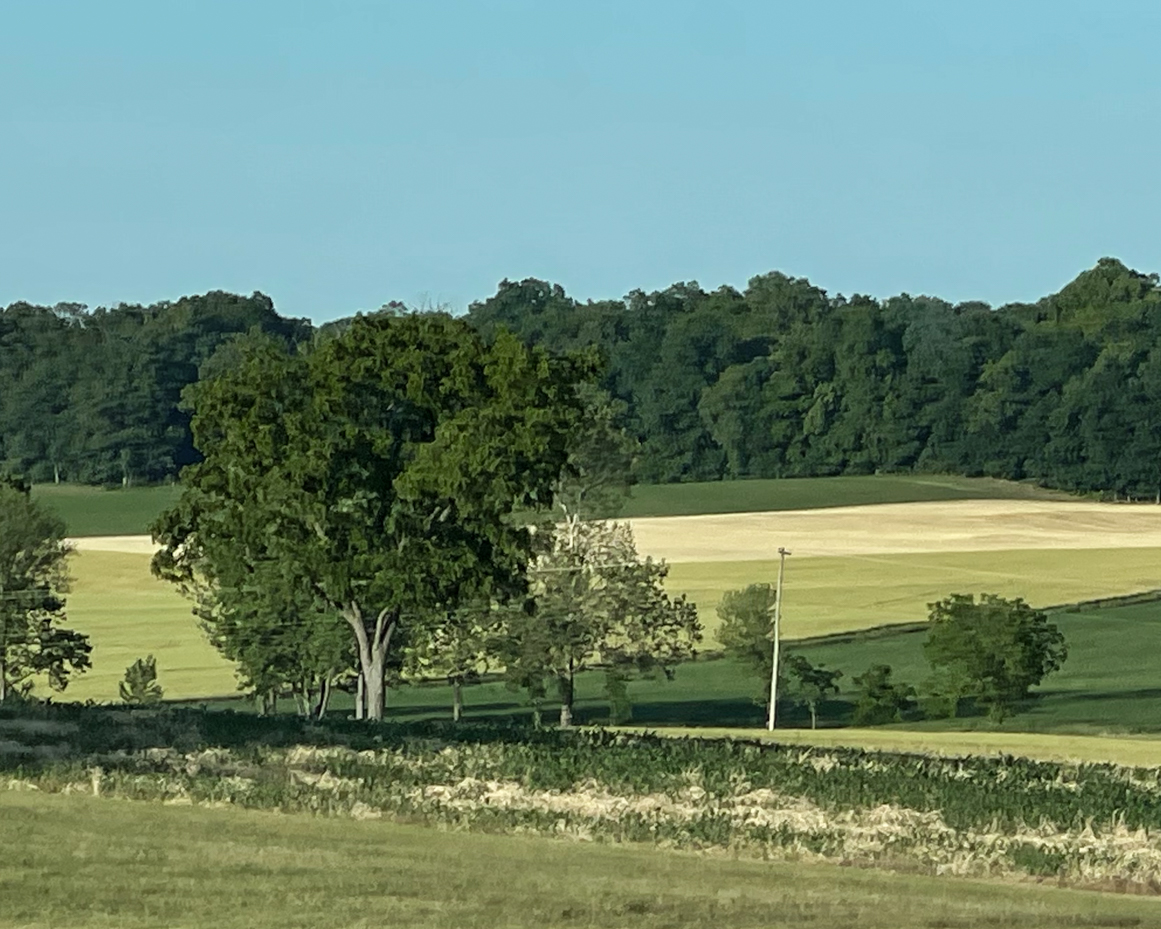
91, 862
852, 568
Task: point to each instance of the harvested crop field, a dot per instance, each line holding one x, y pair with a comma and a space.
897, 528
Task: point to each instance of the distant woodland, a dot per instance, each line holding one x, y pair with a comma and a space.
778, 380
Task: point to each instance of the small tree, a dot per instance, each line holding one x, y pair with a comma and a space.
597, 604
140, 685
992, 650
809, 683
747, 627
33, 581
880, 701
455, 644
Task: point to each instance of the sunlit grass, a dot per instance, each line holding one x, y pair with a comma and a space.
83, 862
128, 613
1144, 751
839, 594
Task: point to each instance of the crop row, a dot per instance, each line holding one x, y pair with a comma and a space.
972, 815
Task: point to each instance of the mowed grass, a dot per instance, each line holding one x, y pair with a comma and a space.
85, 862
807, 493
89, 511
823, 596
128, 613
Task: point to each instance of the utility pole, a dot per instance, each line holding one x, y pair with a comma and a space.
782, 553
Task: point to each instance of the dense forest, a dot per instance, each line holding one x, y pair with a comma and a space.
778, 380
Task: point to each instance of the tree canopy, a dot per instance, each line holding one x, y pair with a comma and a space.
779, 379
992, 650
376, 476
33, 581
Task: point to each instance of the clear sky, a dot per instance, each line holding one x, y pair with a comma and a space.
337, 155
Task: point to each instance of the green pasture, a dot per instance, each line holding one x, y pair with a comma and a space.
90, 862
128, 613
1105, 704
91, 511
808, 493
829, 595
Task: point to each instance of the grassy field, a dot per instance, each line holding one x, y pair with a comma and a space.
128, 614
83, 862
805, 493
1104, 705
838, 594
92, 511
95, 511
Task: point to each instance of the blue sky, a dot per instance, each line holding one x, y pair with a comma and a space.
340, 155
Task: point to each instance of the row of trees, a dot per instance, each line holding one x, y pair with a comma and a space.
780, 379
375, 506
783, 380
985, 654
95, 397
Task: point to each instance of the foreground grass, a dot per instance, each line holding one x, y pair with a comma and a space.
84, 862
96, 511
806, 493
831, 595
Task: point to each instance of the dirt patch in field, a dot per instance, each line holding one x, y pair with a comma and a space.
946, 526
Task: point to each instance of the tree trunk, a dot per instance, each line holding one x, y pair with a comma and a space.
457, 700
3, 678
813, 716
360, 698
324, 698
55, 473
373, 647
566, 698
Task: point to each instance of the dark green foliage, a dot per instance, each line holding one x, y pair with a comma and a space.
33, 581
140, 686
879, 699
93, 397
370, 482
963, 790
782, 380
992, 650
747, 628
809, 684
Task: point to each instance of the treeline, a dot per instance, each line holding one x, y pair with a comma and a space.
782, 380
94, 397
778, 380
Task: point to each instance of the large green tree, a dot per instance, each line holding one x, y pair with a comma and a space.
992, 650
380, 471
33, 581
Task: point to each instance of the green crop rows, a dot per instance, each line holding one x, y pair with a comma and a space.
978, 816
